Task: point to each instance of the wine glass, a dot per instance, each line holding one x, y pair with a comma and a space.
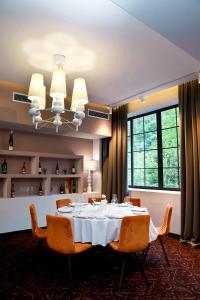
114, 199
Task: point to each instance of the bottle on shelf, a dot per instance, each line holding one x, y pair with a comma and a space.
61, 189
12, 191
73, 186
73, 170
39, 169
57, 169
4, 167
40, 191
10, 142
23, 170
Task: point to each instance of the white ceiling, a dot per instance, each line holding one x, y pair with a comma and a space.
122, 47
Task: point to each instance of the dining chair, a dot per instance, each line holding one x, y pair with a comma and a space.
163, 230
60, 239
91, 201
134, 237
63, 202
40, 233
133, 201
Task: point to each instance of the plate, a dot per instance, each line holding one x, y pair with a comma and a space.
137, 208
65, 209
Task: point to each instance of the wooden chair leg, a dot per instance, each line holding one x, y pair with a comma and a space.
122, 272
144, 254
161, 242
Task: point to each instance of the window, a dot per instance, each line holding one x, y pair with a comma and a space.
153, 150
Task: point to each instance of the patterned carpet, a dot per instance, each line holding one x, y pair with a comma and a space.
27, 272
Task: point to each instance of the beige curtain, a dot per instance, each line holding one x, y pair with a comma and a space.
114, 156
189, 101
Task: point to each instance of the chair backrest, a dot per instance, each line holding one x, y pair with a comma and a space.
63, 202
134, 233
167, 219
60, 234
134, 201
91, 201
34, 221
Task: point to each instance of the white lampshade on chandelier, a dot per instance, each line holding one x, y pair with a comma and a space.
37, 95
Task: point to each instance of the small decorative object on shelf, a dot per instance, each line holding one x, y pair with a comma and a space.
73, 186
66, 186
10, 142
73, 170
4, 167
64, 171
39, 169
12, 191
61, 189
57, 169
23, 170
44, 170
40, 191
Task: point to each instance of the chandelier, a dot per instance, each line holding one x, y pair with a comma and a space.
37, 95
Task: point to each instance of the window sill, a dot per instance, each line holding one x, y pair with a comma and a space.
155, 191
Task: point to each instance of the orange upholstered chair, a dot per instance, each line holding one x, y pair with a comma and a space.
163, 230
134, 237
133, 201
63, 202
60, 238
36, 230
91, 201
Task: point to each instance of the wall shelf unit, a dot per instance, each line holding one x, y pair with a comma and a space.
28, 184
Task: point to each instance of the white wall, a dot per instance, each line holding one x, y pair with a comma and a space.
156, 201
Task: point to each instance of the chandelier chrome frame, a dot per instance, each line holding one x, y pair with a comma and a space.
37, 95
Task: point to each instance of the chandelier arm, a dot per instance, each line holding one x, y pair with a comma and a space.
68, 124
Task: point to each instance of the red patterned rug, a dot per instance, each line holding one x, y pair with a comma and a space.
28, 273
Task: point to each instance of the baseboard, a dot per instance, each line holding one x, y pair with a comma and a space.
175, 235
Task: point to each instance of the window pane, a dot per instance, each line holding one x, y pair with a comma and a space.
151, 140
138, 142
151, 159
129, 160
168, 118
129, 144
170, 158
178, 131
138, 125
177, 113
129, 128
151, 177
170, 178
138, 178
138, 159
150, 123
129, 176
169, 138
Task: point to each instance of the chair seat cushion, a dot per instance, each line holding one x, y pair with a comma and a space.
80, 247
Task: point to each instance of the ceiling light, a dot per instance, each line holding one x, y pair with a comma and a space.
37, 95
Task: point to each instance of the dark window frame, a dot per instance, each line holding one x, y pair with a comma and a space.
159, 149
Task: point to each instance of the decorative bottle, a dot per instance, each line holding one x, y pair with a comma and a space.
10, 142
73, 186
40, 191
12, 191
23, 170
39, 168
4, 167
57, 169
61, 189
73, 170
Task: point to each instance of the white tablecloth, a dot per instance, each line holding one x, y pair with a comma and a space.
100, 224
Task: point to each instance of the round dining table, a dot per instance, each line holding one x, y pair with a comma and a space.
99, 224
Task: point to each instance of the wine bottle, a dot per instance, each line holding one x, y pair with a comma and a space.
61, 189
10, 142
23, 170
12, 191
39, 168
73, 186
57, 169
40, 191
4, 167
73, 170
